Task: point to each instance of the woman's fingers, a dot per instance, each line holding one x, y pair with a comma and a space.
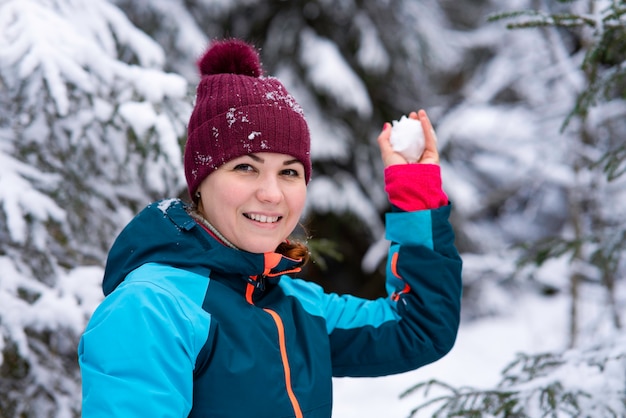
431, 154
387, 153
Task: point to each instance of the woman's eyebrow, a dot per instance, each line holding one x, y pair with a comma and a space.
261, 160
256, 158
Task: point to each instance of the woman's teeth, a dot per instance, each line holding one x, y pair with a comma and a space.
263, 218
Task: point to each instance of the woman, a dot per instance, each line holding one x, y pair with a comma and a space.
201, 316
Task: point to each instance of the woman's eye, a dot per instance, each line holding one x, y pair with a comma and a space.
291, 172
243, 167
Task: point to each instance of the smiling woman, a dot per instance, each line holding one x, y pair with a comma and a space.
204, 314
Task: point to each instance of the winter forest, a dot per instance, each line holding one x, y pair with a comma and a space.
528, 98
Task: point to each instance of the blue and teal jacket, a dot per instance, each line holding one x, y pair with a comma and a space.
191, 327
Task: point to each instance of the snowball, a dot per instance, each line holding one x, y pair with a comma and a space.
407, 138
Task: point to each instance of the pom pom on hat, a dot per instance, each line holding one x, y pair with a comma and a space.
239, 112
233, 56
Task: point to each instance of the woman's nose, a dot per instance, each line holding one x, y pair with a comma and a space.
269, 191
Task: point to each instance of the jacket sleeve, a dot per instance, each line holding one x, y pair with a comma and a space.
138, 353
418, 322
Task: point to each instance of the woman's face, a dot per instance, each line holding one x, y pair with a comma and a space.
255, 200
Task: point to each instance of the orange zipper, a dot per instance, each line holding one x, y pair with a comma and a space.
283, 349
283, 354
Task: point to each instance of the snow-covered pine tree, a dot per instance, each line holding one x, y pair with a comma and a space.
576, 383
90, 131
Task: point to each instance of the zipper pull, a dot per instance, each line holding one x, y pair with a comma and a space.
257, 281
260, 283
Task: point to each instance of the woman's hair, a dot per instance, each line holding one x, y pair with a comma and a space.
295, 250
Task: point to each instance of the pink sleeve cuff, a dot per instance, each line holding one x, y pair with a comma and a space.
413, 187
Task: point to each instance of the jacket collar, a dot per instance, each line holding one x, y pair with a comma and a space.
164, 232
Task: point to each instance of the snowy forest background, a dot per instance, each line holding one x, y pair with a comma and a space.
528, 98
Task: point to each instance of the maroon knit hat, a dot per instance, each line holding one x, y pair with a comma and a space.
238, 111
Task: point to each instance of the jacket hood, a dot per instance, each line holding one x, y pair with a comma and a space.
165, 233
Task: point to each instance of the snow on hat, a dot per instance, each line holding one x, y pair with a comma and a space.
239, 111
